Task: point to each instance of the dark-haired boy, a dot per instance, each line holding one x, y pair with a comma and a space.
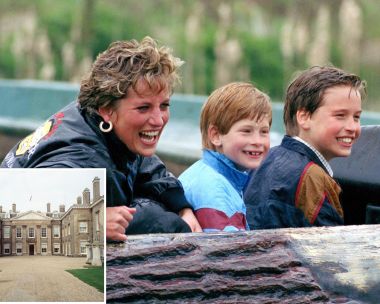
294, 187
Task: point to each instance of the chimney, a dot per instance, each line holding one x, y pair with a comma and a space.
48, 207
96, 189
62, 208
79, 200
14, 208
86, 196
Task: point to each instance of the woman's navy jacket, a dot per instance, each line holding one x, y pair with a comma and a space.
71, 139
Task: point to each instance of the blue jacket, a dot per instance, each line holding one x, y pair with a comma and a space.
292, 188
71, 139
214, 188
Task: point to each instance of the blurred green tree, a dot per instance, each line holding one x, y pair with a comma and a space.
262, 41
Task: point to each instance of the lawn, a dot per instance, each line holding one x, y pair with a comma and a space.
93, 276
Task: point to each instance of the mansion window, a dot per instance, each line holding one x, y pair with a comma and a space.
7, 249
82, 227
83, 247
43, 232
43, 248
56, 233
97, 220
7, 232
18, 232
57, 248
31, 233
18, 248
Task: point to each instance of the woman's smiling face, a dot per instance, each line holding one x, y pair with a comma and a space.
139, 118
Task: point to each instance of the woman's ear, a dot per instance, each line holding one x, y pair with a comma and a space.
303, 119
214, 136
105, 113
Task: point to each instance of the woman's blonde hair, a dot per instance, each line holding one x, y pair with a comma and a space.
121, 66
229, 104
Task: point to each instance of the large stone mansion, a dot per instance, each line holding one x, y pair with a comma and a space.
79, 231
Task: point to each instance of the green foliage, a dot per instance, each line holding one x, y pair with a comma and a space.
57, 18
257, 25
93, 276
108, 26
11, 5
371, 12
7, 60
336, 55
205, 80
264, 60
210, 67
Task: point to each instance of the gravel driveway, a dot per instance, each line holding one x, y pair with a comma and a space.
43, 278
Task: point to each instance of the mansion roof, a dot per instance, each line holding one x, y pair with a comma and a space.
31, 215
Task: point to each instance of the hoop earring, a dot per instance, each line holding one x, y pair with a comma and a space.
107, 129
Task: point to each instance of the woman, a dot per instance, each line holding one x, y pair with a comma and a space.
122, 108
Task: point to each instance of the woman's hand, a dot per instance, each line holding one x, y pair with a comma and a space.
188, 216
117, 220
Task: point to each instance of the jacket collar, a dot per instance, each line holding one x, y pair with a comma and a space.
320, 156
298, 146
227, 168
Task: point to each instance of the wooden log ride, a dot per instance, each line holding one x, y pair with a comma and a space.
302, 265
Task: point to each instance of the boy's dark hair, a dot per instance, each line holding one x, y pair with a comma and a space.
306, 91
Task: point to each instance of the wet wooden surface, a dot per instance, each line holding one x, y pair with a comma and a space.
303, 265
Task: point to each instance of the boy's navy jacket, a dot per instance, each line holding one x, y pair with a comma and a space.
292, 188
71, 139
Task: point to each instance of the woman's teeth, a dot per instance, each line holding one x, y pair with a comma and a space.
149, 136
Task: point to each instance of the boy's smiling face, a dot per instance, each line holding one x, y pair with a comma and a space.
246, 143
335, 125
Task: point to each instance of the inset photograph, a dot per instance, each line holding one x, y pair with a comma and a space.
52, 235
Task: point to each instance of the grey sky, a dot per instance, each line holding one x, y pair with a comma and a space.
32, 189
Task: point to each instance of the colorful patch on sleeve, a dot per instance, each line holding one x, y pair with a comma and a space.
30, 142
314, 186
